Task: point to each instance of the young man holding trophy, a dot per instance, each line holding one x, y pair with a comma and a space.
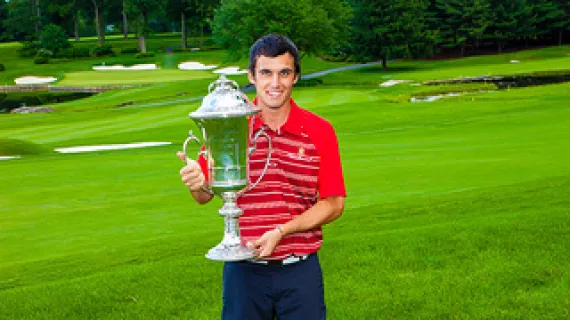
300, 188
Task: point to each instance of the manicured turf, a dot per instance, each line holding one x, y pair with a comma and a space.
456, 208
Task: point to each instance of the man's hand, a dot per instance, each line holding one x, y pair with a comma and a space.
265, 245
191, 174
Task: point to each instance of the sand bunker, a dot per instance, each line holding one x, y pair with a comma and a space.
230, 71
148, 66
104, 147
34, 80
8, 157
390, 83
191, 65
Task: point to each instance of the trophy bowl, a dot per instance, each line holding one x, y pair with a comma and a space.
223, 119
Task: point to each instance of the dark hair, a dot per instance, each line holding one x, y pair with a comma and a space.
273, 45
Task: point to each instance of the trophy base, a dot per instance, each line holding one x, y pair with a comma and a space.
234, 252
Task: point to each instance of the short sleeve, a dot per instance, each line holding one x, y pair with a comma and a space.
331, 179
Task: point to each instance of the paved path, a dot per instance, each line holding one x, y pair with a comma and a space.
249, 88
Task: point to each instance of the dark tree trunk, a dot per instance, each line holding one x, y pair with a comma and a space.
183, 30
76, 24
99, 24
384, 63
142, 33
125, 21
560, 36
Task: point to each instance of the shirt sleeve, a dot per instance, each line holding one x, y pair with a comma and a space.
331, 180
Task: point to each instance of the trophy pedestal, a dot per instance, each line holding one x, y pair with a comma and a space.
230, 249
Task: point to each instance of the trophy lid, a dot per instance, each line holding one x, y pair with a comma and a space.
224, 100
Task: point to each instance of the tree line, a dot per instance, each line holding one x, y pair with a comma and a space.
361, 30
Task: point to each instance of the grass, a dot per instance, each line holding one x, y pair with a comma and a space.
456, 208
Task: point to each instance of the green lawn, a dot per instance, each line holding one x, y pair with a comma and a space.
456, 209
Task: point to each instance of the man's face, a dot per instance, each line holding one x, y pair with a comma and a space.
274, 79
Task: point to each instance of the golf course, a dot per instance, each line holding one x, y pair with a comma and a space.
458, 206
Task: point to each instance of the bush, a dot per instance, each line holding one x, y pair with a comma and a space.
44, 53
313, 82
29, 49
53, 38
129, 50
2, 68
144, 55
41, 60
104, 50
72, 53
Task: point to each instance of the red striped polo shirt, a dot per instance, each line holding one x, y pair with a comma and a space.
305, 167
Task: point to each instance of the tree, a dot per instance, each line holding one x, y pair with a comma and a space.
19, 24
98, 8
463, 21
143, 8
390, 29
511, 20
313, 25
178, 10
53, 38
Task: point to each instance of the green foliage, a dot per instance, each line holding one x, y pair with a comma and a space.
144, 55
389, 30
312, 82
314, 26
44, 53
129, 50
2, 68
53, 38
461, 21
41, 60
82, 52
29, 49
104, 50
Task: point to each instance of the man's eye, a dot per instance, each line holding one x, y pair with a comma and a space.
265, 72
285, 73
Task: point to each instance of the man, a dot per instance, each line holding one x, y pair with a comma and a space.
302, 190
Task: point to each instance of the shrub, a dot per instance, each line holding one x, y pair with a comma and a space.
81, 52
313, 82
41, 60
29, 49
129, 50
2, 68
44, 53
144, 55
53, 38
104, 50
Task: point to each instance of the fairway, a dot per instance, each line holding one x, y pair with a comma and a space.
456, 209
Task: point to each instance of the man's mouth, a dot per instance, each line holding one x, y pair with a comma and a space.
274, 94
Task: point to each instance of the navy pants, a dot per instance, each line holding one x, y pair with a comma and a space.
264, 292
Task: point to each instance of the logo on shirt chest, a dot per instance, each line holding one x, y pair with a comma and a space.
301, 152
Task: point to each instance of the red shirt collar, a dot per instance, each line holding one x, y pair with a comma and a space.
294, 123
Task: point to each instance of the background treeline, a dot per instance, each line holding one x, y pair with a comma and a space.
358, 30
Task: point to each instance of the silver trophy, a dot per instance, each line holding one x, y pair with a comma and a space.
223, 119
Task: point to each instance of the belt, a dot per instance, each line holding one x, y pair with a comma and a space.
278, 263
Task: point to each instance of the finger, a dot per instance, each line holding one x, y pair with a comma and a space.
181, 155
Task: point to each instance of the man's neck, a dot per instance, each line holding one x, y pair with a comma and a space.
275, 118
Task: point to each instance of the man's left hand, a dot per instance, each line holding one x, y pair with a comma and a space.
265, 245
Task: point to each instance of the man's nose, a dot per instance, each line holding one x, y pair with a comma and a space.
275, 80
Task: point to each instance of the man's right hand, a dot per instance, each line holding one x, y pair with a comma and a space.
191, 174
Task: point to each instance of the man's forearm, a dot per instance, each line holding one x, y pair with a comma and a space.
323, 212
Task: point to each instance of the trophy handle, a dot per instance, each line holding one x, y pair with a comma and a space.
252, 149
192, 137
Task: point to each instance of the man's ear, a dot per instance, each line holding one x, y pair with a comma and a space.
251, 77
296, 79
